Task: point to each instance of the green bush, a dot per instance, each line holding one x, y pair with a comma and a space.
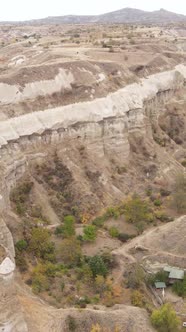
137, 299
42, 275
98, 266
99, 221
165, 319
40, 244
90, 233
69, 226
157, 202
112, 212
137, 210
50, 269
113, 232
68, 229
40, 281
21, 245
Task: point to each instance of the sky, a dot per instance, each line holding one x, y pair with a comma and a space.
30, 9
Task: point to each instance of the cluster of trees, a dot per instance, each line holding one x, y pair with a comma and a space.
69, 255
67, 230
94, 270
37, 244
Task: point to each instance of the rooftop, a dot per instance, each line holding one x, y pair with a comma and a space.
159, 284
176, 274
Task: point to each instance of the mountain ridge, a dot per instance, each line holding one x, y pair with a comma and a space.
125, 15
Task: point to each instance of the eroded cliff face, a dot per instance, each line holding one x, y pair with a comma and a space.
91, 138
118, 127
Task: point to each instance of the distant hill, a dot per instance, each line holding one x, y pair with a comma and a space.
126, 15
131, 15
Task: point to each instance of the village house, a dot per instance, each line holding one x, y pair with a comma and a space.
174, 274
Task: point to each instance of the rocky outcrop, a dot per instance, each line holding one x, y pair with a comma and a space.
127, 102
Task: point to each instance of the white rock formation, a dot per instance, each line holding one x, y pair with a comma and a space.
116, 104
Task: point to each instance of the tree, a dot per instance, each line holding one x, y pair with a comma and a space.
40, 244
70, 251
179, 287
179, 193
69, 226
90, 233
137, 210
165, 319
137, 298
40, 280
113, 232
98, 267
